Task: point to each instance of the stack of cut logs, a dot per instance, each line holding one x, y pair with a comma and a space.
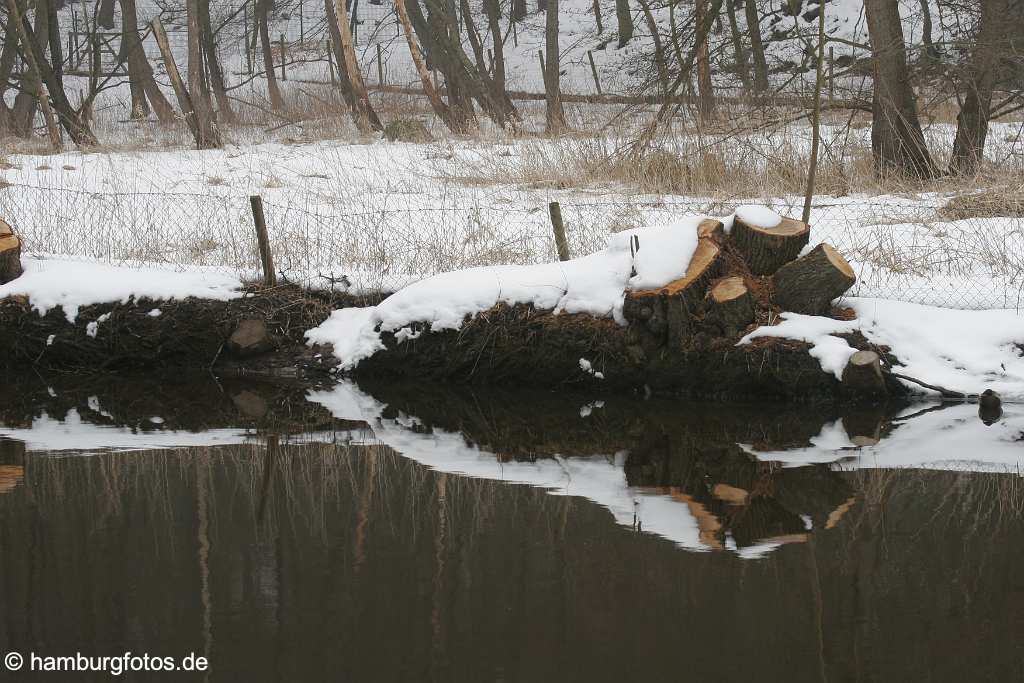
10, 254
714, 296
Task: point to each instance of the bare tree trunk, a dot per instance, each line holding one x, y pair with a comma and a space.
27, 99
973, 119
262, 12
213, 66
742, 67
705, 88
363, 107
445, 58
8, 55
897, 142
625, 18
555, 115
519, 10
438, 104
339, 60
72, 123
140, 73
756, 46
54, 37
931, 52
812, 167
493, 10
185, 100
659, 50
208, 135
105, 16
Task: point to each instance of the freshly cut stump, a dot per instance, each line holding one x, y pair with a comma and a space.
711, 229
732, 307
767, 249
671, 307
10, 254
862, 375
809, 284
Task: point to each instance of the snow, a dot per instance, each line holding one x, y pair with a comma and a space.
71, 284
952, 438
593, 284
758, 216
967, 351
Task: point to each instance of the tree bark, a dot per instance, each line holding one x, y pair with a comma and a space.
705, 88
555, 114
76, 128
363, 108
518, 10
731, 306
624, 16
208, 137
862, 375
765, 250
140, 73
105, 14
756, 46
26, 101
493, 10
659, 50
810, 284
740, 53
8, 56
897, 142
975, 112
10, 254
213, 65
436, 102
273, 92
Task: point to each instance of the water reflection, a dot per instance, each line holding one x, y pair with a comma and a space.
310, 549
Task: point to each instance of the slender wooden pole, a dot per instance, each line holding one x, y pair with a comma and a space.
812, 167
555, 209
330, 59
543, 69
380, 67
831, 83
593, 70
266, 257
597, 15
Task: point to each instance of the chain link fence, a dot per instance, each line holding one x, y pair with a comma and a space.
907, 250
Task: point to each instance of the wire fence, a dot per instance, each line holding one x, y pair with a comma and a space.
909, 250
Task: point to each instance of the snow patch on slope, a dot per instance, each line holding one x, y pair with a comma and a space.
72, 284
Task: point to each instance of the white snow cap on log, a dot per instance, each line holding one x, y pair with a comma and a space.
758, 216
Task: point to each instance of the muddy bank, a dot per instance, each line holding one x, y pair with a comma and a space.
144, 334
520, 346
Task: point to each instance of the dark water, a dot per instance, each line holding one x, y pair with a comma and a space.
302, 546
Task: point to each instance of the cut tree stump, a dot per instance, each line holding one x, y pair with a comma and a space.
862, 375
809, 284
671, 308
731, 306
709, 228
10, 254
767, 249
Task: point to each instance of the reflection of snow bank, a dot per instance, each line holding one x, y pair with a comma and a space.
953, 438
599, 478
968, 351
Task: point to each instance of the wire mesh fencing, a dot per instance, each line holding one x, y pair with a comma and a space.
902, 249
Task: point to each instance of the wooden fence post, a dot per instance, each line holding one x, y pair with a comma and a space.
267, 258
593, 70
284, 76
559, 229
380, 68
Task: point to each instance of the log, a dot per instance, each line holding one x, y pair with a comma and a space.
767, 249
10, 254
731, 306
862, 375
671, 308
810, 284
709, 228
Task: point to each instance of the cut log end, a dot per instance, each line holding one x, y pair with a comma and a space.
810, 284
732, 306
10, 254
711, 229
765, 250
863, 374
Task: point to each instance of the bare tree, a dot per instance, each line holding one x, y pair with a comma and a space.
262, 18
705, 88
213, 67
436, 102
27, 99
624, 15
143, 86
981, 76
363, 108
740, 53
897, 142
756, 46
555, 114
208, 136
